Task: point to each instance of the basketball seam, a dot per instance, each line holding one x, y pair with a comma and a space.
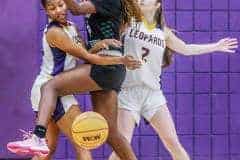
90, 130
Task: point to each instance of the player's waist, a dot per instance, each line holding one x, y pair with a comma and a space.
153, 82
154, 86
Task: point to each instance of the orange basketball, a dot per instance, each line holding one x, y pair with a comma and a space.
90, 130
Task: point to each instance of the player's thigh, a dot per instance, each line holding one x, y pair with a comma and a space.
105, 103
163, 124
76, 80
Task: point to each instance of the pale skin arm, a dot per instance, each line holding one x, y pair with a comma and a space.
174, 43
84, 7
59, 39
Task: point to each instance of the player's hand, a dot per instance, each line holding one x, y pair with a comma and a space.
131, 63
104, 44
227, 45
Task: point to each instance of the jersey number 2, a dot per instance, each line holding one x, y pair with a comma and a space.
145, 54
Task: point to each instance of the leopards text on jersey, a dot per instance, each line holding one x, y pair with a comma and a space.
149, 46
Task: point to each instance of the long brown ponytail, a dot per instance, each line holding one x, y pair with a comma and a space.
167, 57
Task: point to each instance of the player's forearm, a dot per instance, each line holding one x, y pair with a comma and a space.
199, 49
80, 52
103, 60
95, 49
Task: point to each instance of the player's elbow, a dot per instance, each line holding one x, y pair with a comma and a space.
186, 53
185, 50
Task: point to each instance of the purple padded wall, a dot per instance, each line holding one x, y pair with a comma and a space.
203, 91
18, 49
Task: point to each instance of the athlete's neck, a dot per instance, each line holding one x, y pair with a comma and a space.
149, 21
149, 18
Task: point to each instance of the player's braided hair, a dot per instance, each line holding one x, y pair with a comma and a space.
167, 57
131, 11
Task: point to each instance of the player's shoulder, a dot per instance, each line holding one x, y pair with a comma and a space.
52, 26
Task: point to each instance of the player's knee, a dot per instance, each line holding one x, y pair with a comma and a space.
113, 135
112, 130
49, 86
45, 87
111, 139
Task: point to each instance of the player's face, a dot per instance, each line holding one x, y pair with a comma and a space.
57, 10
149, 5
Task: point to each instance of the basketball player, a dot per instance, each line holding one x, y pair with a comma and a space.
141, 95
105, 21
61, 46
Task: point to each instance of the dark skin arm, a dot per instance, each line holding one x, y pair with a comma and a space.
103, 44
56, 37
84, 7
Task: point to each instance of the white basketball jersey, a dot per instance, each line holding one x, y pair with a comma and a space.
54, 60
148, 46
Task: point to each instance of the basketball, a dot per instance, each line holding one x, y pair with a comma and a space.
90, 130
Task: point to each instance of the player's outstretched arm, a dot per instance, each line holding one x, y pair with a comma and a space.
228, 45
